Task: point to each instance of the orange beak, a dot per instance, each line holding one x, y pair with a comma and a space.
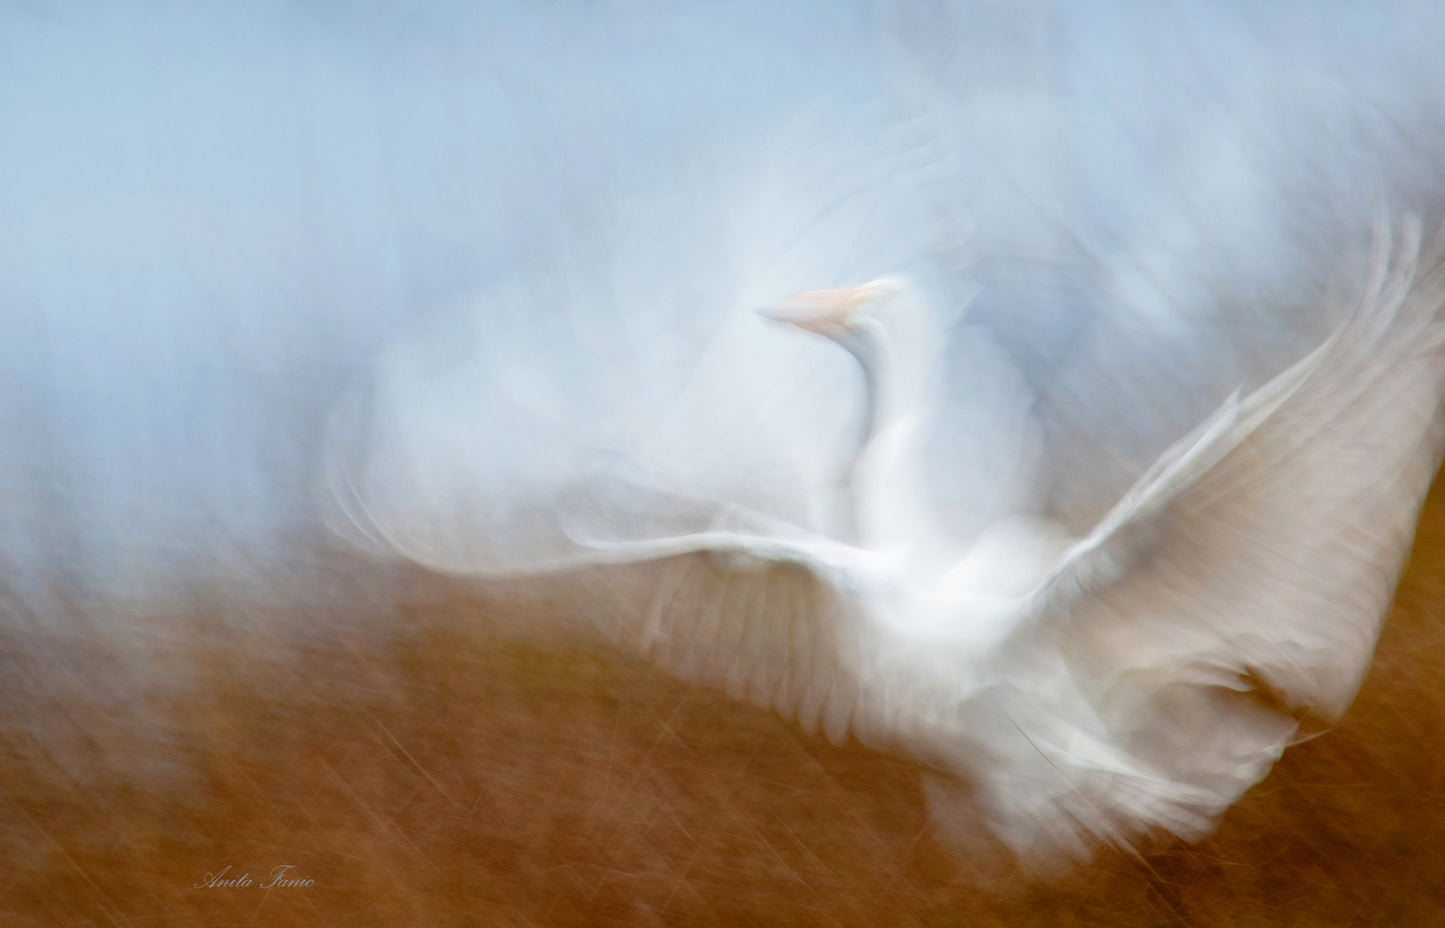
824, 312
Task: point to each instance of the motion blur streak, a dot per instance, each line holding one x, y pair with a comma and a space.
289, 289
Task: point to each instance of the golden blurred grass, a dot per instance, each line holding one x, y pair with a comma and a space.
424, 771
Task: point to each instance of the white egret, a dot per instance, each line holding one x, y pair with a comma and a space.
1139, 679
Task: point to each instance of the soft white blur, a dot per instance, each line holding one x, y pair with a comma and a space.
473, 249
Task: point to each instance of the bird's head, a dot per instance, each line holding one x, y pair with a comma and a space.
835, 314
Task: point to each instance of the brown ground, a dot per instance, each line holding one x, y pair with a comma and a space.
422, 772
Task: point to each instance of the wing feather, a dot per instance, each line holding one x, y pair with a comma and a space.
1239, 587
733, 600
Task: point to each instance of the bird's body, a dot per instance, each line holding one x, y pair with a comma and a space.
1139, 678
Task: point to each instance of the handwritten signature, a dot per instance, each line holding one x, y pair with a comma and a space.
281, 877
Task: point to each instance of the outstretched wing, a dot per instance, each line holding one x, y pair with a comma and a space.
1239, 587
731, 598
710, 592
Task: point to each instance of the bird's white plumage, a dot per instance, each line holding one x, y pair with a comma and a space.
1147, 677
620, 422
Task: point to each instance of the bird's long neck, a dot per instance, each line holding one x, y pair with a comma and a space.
869, 344
887, 475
